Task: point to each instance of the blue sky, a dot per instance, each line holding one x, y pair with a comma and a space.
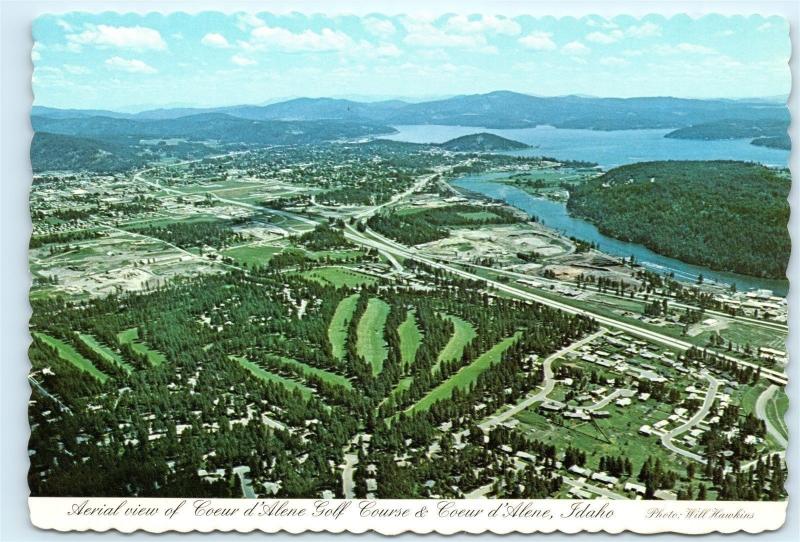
132, 61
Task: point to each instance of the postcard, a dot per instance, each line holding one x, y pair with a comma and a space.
403, 272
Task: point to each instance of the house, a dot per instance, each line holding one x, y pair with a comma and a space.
605, 478
636, 488
580, 471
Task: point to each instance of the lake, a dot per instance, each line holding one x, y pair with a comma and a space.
607, 148
554, 215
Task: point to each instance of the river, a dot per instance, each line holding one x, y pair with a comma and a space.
608, 149
554, 215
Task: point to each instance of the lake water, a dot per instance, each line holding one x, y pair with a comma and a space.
554, 215
609, 149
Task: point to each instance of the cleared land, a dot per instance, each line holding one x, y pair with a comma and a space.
253, 255
369, 342
337, 329
410, 338
464, 378
68, 353
308, 370
338, 277
462, 334
267, 376
154, 357
105, 352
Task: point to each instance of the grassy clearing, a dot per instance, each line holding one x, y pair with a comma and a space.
338, 277
105, 352
466, 376
749, 396
68, 353
463, 333
369, 342
253, 254
337, 329
410, 338
478, 215
776, 410
154, 357
267, 376
322, 374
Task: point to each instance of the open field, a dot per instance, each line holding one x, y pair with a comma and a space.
338, 277
68, 353
337, 329
462, 334
131, 336
465, 376
776, 410
322, 374
370, 343
253, 254
410, 338
266, 376
105, 352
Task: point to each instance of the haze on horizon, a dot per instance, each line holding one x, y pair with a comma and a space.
132, 62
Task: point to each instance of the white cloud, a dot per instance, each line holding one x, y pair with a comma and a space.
215, 40
266, 37
125, 37
684, 49
605, 37
240, 60
613, 61
246, 21
575, 48
464, 24
387, 49
64, 25
131, 66
76, 70
646, 30
764, 27
424, 34
538, 41
379, 27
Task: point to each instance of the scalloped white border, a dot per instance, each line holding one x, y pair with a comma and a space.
642, 517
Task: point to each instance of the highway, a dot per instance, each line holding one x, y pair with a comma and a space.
378, 241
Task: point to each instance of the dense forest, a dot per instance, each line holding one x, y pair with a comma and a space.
726, 215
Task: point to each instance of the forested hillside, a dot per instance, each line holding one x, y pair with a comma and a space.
726, 215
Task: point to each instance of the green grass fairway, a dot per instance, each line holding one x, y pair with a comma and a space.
105, 352
478, 215
68, 353
337, 329
253, 254
410, 338
266, 376
776, 410
465, 376
463, 333
131, 335
369, 342
749, 396
308, 370
338, 277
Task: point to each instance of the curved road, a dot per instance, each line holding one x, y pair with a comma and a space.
549, 384
666, 438
761, 414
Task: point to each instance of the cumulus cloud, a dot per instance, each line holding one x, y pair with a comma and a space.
241, 60
138, 38
274, 38
129, 65
684, 49
422, 33
605, 37
646, 30
464, 24
575, 48
538, 41
214, 39
379, 27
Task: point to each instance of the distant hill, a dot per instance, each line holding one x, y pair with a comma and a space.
729, 216
501, 109
58, 152
483, 142
211, 127
773, 129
